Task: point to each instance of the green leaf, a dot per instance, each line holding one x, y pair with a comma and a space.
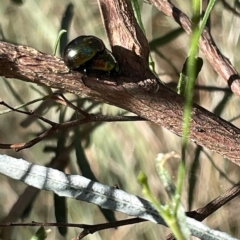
60, 210
41, 234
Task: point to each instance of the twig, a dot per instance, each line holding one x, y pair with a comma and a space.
199, 214
229, 8
69, 104
87, 229
63, 126
202, 213
80, 188
218, 61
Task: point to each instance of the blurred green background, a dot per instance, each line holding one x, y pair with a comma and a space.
116, 152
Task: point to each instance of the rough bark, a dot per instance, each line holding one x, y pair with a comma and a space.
136, 90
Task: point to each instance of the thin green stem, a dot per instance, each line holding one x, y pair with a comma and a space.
166, 211
191, 72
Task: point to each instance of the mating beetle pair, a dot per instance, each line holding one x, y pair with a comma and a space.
89, 54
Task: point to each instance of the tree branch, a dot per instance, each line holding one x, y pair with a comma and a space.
138, 92
207, 45
81, 188
201, 213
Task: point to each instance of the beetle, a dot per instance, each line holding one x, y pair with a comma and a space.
103, 62
82, 49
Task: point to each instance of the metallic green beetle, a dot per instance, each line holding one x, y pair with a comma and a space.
104, 61
82, 49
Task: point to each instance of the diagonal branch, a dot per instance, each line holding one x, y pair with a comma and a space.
138, 92
54, 180
56, 127
81, 188
201, 213
207, 45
